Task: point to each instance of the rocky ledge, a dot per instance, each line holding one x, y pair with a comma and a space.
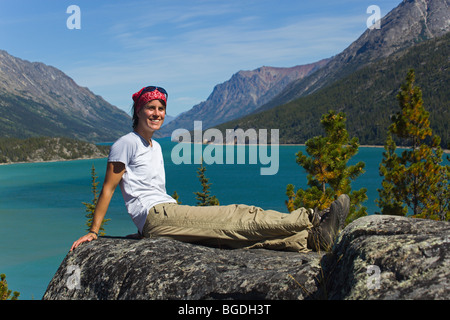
375, 257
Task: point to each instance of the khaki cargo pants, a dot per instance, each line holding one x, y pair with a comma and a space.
235, 226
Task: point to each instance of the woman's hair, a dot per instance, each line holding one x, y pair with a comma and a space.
135, 117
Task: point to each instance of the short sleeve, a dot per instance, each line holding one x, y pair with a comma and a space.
121, 151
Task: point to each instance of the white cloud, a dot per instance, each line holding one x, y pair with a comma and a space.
190, 49
186, 46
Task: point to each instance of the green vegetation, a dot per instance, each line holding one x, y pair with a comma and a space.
90, 206
204, 198
40, 118
5, 293
415, 179
366, 97
329, 176
47, 149
23, 117
176, 197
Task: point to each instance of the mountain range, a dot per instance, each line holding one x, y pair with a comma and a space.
40, 100
368, 98
244, 93
410, 23
362, 81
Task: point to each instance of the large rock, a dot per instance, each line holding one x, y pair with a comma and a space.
389, 257
118, 268
375, 257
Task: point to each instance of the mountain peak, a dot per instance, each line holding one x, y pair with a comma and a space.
411, 22
243, 93
40, 100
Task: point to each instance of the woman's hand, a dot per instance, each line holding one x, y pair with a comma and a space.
87, 238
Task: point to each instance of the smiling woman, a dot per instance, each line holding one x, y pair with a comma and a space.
150, 105
136, 163
153, 114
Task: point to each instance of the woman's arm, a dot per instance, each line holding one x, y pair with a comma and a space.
114, 173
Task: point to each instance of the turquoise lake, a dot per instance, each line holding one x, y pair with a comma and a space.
41, 210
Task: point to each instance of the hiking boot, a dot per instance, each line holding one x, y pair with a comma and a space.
314, 217
322, 237
343, 207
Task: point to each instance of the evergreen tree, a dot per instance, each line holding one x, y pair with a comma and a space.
390, 164
204, 198
90, 207
415, 179
5, 293
329, 176
176, 197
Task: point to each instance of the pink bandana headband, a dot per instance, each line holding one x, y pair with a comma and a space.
143, 96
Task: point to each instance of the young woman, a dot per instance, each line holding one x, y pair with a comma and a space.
136, 164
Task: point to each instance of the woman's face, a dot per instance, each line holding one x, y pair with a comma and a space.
151, 116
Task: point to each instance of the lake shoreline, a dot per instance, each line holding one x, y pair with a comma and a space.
54, 160
446, 151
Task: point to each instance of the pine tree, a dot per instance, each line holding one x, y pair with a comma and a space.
329, 175
176, 197
415, 179
90, 207
203, 198
390, 164
5, 293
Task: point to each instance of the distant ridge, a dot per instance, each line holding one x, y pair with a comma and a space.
40, 100
39, 149
245, 92
411, 22
367, 97
364, 79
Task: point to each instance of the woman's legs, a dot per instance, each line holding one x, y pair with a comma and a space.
232, 225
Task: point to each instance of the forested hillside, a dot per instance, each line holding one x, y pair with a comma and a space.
48, 149
39, 100
368, 98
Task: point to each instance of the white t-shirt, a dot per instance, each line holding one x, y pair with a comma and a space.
143, 184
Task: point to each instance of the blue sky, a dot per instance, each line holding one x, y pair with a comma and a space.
187, 47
